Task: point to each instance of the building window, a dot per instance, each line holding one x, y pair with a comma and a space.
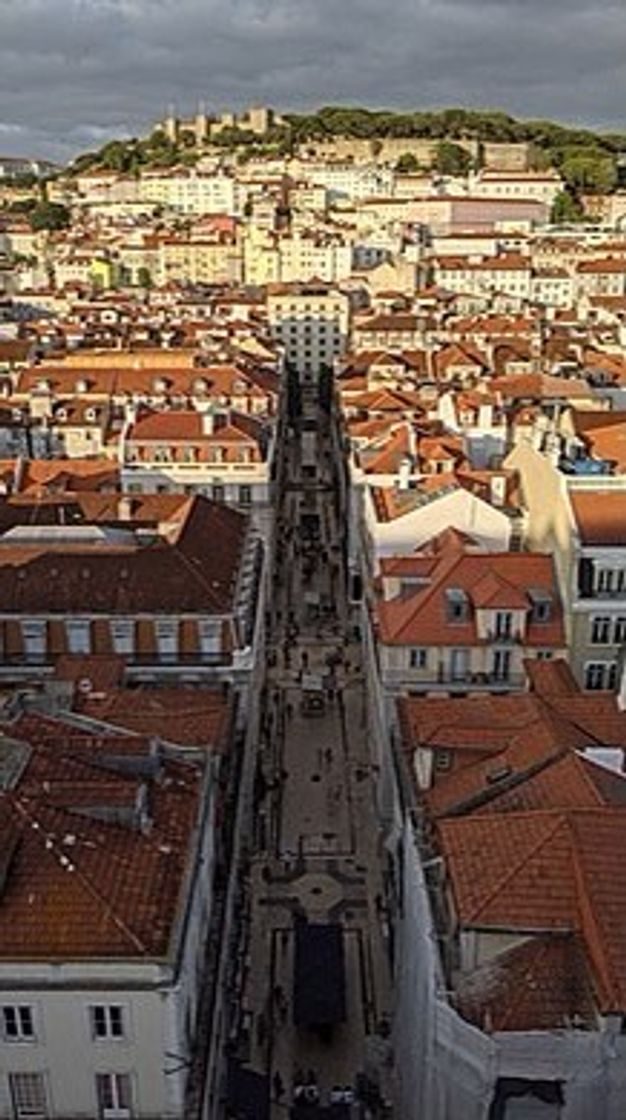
611, 580
619, 630
28, 1094
18, 1023
245, 495
545, 654
418, 658
504, 624
114, 1096
541, 606
107, 1020
123, 635
34, 640
501, 664
166, 630
600, 629
218, 493
443, 760
78, 631
457, 605
210, 635
600, 675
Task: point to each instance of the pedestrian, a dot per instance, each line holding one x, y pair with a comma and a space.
289, 710
328, 756
279, 1088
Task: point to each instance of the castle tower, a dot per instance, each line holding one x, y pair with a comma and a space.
201, 124
171, 125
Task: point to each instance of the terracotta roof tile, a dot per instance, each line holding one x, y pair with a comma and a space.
540, 985
79, 885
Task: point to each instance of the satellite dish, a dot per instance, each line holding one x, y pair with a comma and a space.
85, 684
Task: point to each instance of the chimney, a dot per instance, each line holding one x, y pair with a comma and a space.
404, 473
208, 422
498, 490
125, 508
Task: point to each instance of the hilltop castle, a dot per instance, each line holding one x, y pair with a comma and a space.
203, 126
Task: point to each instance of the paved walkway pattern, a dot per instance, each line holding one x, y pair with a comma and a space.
318, 849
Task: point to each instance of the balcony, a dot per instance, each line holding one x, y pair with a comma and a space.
445, 681
10, 662
513, 637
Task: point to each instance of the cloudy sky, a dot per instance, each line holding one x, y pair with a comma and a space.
75, 72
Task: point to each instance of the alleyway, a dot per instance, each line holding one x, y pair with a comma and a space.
317, 851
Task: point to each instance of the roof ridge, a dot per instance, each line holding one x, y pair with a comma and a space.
524, 859
587, 917
424, 595
87, 884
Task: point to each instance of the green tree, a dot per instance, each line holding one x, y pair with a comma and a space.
407, 164
22, 206
452, 159
565, 209
589, 170
49, 215
144, 277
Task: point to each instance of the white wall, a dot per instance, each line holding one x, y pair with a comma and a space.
459, 510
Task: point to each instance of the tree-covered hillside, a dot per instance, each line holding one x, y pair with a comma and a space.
588, 160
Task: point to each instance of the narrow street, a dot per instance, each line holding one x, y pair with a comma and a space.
317, 858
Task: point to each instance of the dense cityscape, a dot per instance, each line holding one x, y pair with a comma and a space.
313, 620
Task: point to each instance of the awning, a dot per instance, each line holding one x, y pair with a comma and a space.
319, 986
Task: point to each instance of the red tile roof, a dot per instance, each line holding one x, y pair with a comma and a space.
79, 885
183, 571
187, 717
490, 580
539, 985
600, 516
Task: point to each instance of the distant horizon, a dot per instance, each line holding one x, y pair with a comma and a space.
189, 108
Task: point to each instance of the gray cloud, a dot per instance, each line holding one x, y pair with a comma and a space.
74, 72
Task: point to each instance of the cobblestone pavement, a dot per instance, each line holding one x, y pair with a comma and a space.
318, 848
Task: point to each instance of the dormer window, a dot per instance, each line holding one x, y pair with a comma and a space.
81, 385
504, 624
457, 605
160, 385
541, 601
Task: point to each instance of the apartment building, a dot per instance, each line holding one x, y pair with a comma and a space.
314, 258
349, 180
109, 847
544, 186
508, 273
601, 277
581, 520
455, 618
311, 322
147, 584
192, 192
393, 331
509, 886
199, 260
224, 454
